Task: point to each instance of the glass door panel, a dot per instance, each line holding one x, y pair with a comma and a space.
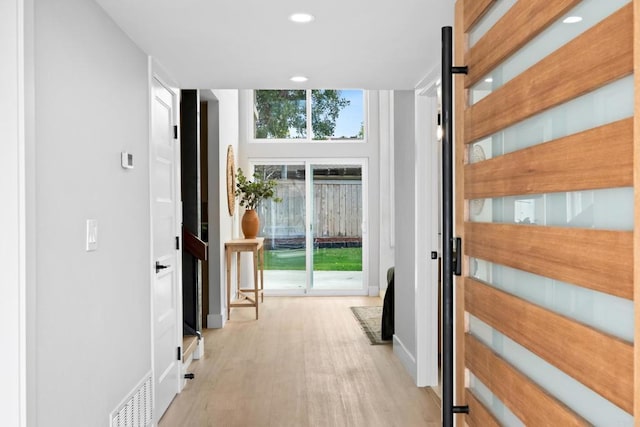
283, 225
336, 227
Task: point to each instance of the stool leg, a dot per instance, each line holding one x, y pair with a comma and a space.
228, 262
238, 256
262, 271
255, 280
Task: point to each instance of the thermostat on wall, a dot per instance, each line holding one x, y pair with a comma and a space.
127, 160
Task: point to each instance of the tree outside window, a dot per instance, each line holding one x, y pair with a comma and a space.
335, 114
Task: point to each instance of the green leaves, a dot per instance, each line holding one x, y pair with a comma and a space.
251, 193
325, 109
282, 114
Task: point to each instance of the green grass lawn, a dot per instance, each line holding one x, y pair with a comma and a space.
325, 259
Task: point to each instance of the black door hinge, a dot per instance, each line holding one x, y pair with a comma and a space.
179, 353
177, 243
175, 131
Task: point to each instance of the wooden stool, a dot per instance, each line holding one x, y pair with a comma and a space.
238, 246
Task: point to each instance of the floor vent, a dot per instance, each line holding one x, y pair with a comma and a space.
136, 409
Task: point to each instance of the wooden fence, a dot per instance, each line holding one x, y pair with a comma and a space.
337, 210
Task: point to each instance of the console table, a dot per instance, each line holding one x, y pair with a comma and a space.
256, 247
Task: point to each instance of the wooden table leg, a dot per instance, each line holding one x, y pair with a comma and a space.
262, 272
255, 280
238, 257
227, 256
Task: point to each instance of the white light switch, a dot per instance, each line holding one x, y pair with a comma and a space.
126, 159
92, 234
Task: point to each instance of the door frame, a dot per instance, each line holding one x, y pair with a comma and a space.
428, 229
308, 162
157, 73
14, 192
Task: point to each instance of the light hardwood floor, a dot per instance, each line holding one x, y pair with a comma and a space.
305, 362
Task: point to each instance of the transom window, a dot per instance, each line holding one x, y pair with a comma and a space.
336, 115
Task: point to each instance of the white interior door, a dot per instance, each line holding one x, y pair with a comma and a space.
165, 218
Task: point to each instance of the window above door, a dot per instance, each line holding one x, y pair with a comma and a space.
282, 115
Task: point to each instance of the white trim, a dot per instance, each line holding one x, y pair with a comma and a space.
308, 105
308, 232
392, 179
429, 82
318, 292
150, 69
198, 353
250, 129
13, 393
426, 226
216, 321
22, 197
29, 306
150, 74
307, 141
406, 358
386, 185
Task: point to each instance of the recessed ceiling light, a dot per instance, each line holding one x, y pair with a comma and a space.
488, 80
298, 79
572, 19
301, 18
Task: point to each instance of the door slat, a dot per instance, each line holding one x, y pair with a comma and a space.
601, 260
598, 360
586, 63
521, 395
524, 21
597, 158
474, 10
478, 415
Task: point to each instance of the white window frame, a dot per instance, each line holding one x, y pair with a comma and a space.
252, 113
363, 162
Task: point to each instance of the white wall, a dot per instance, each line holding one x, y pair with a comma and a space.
416, 235
93, 308
404, 344
386, 188
223, 131
12, 215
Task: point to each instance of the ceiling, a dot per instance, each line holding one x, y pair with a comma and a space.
251, 44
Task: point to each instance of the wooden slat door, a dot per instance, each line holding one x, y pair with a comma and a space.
591, 258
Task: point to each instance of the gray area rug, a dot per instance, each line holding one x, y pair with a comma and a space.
370, 319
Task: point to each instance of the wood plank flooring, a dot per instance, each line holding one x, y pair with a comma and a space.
305, 362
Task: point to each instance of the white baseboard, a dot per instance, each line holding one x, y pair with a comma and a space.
199, 351
374, 291
216, 321
406, 358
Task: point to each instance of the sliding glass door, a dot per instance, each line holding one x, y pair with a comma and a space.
336, 227
283, 225
315, 242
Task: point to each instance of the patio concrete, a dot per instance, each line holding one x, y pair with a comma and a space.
323, 280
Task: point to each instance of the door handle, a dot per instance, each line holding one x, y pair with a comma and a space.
160, 266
